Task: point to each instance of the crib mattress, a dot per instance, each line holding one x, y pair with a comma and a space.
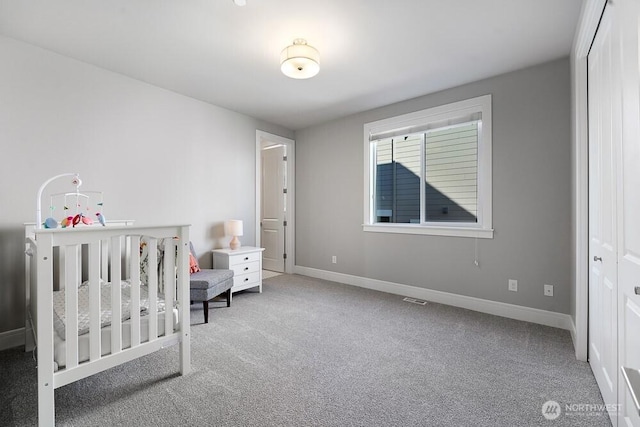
59, 317
60, 347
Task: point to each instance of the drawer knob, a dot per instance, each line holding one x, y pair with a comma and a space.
246, 279
246, 258
246, 268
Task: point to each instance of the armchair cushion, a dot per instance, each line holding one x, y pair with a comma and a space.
205, 279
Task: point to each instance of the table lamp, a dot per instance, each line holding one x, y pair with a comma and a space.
233, 227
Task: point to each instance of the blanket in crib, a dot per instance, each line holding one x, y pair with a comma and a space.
59, 318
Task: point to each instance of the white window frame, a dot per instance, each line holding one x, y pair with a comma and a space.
483, 228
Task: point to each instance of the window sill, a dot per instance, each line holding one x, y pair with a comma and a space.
480, 233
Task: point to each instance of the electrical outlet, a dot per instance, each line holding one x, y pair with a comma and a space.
513, 285
334, 259
548, 290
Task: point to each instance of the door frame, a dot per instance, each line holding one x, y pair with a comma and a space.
290, 240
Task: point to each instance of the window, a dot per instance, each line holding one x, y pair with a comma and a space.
429, 172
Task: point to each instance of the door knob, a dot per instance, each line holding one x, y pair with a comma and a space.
597, 258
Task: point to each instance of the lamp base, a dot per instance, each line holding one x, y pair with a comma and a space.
234, 243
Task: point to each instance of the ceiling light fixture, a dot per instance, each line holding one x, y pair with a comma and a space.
300, 61
240, 2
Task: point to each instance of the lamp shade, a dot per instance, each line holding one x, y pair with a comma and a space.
234, 227
300, 61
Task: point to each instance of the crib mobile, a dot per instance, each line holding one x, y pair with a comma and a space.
78, 207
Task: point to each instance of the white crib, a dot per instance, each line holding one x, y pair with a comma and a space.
97, 263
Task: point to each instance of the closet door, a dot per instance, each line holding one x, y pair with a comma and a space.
629, 211
604, 128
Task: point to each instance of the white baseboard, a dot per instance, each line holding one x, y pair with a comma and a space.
572, 330
511, 311
11, 339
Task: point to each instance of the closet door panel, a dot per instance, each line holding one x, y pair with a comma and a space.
629, 209
604, 128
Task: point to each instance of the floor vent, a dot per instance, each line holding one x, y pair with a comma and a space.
414, 301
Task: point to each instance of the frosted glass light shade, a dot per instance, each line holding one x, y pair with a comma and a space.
234, 228
300, 61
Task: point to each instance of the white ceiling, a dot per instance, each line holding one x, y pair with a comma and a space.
372, 52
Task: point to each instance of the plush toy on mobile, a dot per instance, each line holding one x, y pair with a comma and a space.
50, 223
66, 222
101, 219
77, 219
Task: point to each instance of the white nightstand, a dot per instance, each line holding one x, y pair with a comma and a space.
246, 264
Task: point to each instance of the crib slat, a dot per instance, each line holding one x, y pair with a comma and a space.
71, 304
127, 255
134, 270
169, 284
153, 288
104, 260
62, 275
94, 301
116, 295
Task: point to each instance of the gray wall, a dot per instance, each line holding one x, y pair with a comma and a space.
159, 157
531, 198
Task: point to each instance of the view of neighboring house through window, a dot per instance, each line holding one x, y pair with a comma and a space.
397, 190
451, 192
451, 180
431, 169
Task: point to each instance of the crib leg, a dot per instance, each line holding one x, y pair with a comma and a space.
185, 352
183, 297
44, 312
46, 411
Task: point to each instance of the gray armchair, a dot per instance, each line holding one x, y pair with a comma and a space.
209, 283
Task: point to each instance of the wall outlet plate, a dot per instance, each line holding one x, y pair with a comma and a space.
334, 259
513, 285
548, 290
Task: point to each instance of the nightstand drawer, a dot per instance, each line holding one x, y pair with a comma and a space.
246, 280
245, 268
243, 258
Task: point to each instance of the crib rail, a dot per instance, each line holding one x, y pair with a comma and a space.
109, 254
31, 250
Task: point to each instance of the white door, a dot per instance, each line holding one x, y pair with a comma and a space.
604, 127
629, 209
273, 217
